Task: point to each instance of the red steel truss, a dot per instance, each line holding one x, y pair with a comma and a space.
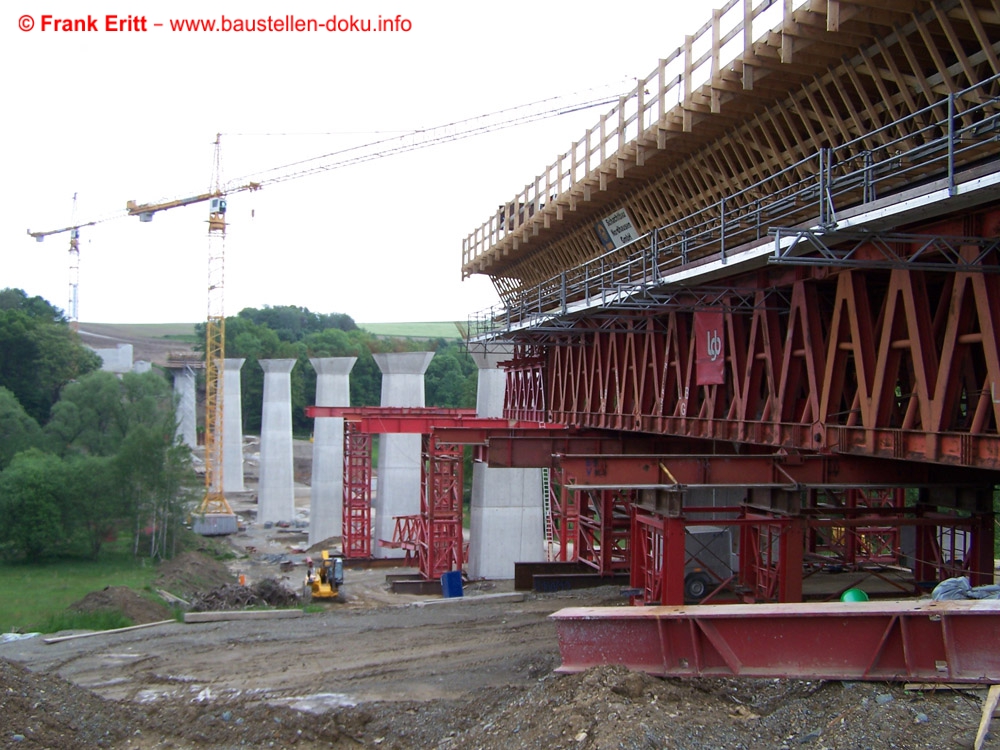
441, 547
603, 517
950, 641
895, 362
876, 543
357, 533
434, 537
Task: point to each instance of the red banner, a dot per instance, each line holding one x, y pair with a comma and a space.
710, 358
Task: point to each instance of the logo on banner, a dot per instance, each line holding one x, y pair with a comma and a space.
709, 358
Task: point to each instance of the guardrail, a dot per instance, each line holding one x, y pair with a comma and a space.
729, 33
931, 143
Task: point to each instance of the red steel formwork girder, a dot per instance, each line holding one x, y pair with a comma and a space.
894, 362
924, 641
781, 511
524, 396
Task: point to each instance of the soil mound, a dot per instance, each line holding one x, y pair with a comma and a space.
192, 573
123, 599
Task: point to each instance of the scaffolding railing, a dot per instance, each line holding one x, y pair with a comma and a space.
667, 90
933, 143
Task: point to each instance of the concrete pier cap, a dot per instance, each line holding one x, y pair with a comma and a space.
232, 426
276, 490
326, 505
398, 488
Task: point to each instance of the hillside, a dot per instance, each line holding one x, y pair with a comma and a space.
151, 342
155, 342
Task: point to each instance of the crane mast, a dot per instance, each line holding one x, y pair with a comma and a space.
73, 309
215, 516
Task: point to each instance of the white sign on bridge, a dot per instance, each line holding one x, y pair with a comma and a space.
616, 230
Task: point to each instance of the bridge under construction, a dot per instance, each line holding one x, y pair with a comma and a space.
762, 294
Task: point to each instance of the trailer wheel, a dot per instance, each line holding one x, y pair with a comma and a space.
696, 587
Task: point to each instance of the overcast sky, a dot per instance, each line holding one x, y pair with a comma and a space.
119, 116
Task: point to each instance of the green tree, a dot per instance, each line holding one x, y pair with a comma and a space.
90, 418
451, 377
126, 467
18, 431
40, 352
32, 524
94, 501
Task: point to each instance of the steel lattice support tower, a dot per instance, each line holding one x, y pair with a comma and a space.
441, 549
357, 525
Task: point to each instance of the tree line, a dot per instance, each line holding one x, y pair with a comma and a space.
86, 455
288, 332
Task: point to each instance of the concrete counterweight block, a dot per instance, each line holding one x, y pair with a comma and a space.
507, 523
232, 426
326, 509
398, 488
276, 491
187, 416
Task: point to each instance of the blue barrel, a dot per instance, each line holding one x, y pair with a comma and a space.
451, 584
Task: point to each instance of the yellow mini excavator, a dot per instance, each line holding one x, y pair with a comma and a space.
324, 582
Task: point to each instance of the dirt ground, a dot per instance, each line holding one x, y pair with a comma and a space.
389, 671
385, 670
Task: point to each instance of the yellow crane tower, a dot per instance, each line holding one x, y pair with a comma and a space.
215, 516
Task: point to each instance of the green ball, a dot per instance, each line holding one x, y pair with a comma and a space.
854, 595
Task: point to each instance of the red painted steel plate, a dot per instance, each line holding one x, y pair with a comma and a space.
925, 641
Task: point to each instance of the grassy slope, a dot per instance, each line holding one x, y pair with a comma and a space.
33, 593
440, 330
142, 330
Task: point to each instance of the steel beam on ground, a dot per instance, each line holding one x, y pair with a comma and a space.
947, 641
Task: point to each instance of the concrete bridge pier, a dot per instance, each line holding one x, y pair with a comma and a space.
398, 487
276, 491
232, 426
187, 417
507, 523
326, 508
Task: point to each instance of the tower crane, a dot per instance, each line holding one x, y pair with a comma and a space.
215, 516
72, 309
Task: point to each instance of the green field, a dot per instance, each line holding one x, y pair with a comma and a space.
34, 594
170, 331
439, 330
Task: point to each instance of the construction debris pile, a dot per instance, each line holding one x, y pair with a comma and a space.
268, 592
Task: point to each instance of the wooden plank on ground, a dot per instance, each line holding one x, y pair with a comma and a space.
988, 707
242, 614
60, 638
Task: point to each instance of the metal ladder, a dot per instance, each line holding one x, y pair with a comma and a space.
547, 516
